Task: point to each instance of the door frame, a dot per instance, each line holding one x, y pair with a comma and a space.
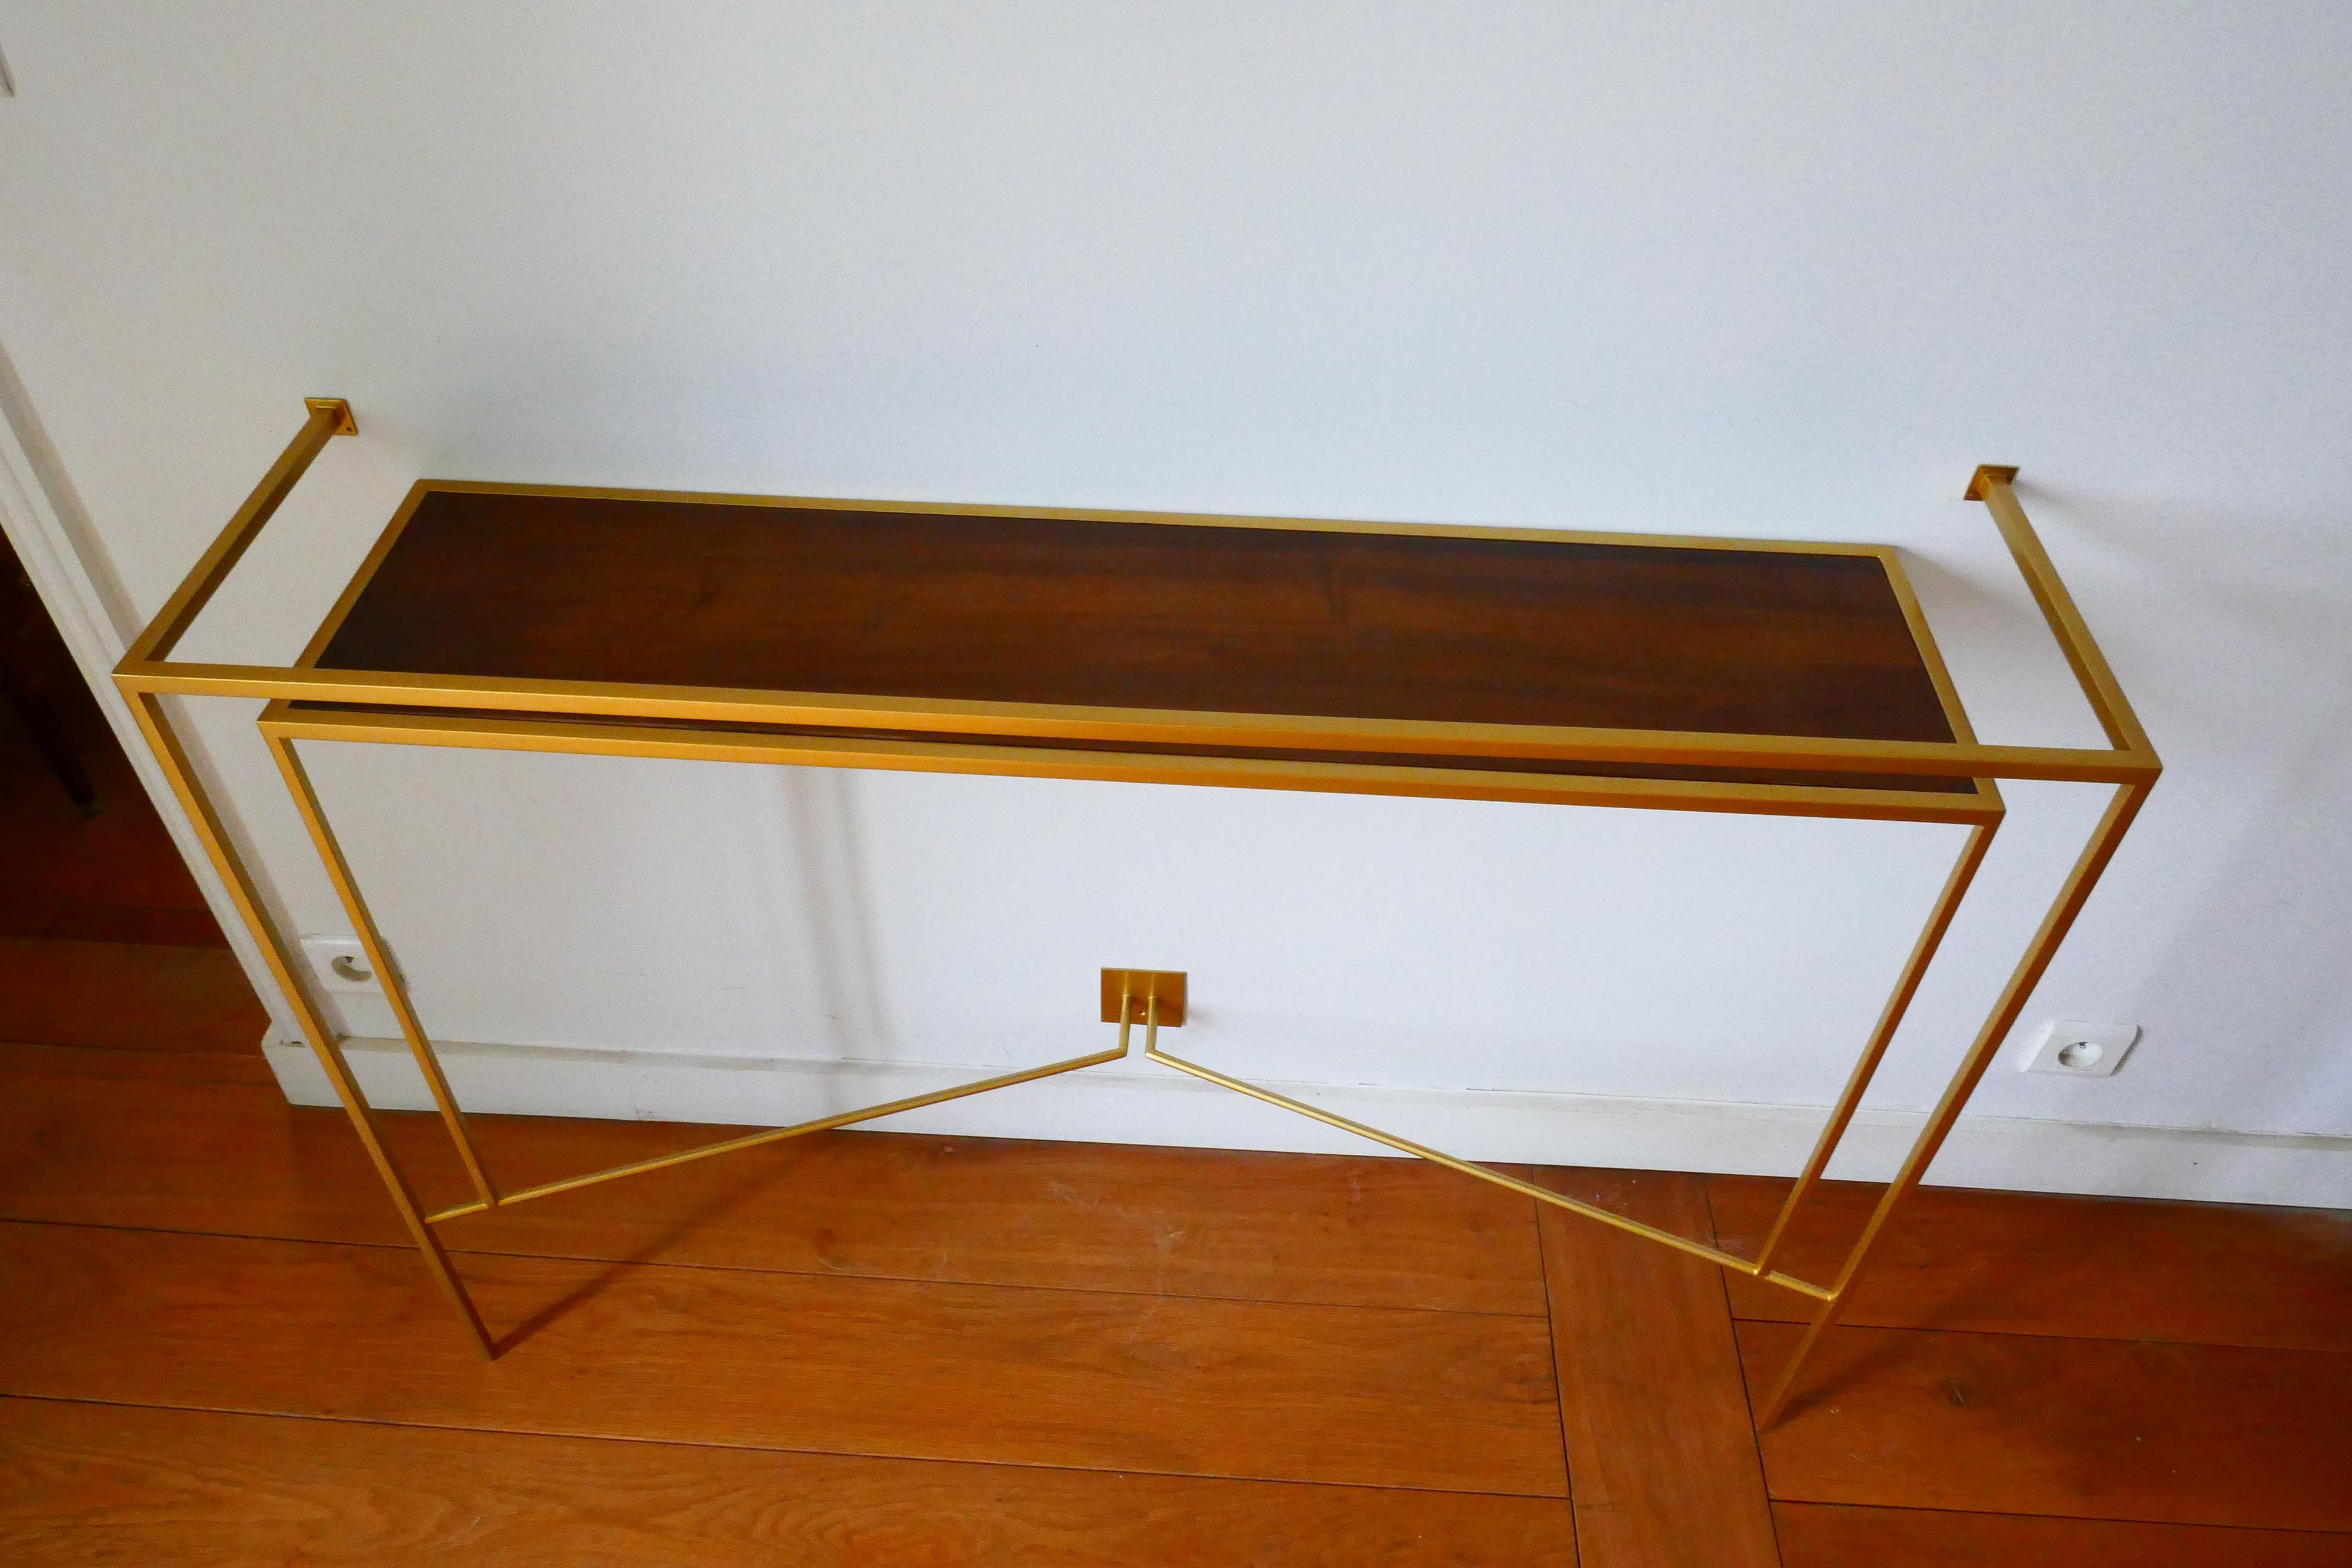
61, 552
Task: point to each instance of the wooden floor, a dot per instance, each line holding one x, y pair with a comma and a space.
216, 1348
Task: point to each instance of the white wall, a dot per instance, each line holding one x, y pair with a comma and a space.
1726, 270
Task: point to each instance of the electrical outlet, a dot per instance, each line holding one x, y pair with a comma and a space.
340, 964
2072, 1048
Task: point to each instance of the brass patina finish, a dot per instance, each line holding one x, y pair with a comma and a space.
1412, 757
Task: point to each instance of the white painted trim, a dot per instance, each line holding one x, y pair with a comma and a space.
67, 567
1139, 1103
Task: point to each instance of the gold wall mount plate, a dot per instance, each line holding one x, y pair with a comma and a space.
1140, 987
1987, 476
344, 424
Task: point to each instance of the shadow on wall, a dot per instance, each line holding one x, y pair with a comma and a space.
2279, 1016
820, 807
2248, 968
2011, 671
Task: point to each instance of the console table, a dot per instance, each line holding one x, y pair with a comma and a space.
1268, 653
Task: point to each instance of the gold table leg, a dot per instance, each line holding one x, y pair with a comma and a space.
1915, 969
395, 987
2072, 895
185, 783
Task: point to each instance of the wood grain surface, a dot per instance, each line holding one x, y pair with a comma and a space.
163, 1488
2036, 1264
179, 1067
1661, 1458
1083, 1380
109, 996
1815, 1535
1129, 614
109, 876
868, 1348
2087, 1429
235, 1159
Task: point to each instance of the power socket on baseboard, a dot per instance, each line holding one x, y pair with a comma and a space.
2072, 1048
340, 964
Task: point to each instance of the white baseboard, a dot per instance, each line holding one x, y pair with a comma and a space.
1141, 1103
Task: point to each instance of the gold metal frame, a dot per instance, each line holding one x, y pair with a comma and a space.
616, 720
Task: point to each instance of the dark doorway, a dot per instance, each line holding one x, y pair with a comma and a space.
104, 939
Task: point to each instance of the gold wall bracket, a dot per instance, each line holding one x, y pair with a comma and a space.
1981, 483
344, 424
1141, 987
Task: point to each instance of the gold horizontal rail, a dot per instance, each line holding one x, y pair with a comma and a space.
330, 418
609, 738
1467, 1168
1713, 542
1994, 486
145, 669
777, 1135
1931, 759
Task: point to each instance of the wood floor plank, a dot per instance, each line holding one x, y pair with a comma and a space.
2031, 1263
179, 1067
64, 921
1660, 1453
1278, 1392
109, 876
236, 1160
82, 1484
117, 996
1816, 1535
2088, 1428
119, 859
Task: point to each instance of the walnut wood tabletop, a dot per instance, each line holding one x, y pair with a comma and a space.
1095, 612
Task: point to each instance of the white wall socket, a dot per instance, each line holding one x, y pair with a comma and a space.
2076, 1049
341, 965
